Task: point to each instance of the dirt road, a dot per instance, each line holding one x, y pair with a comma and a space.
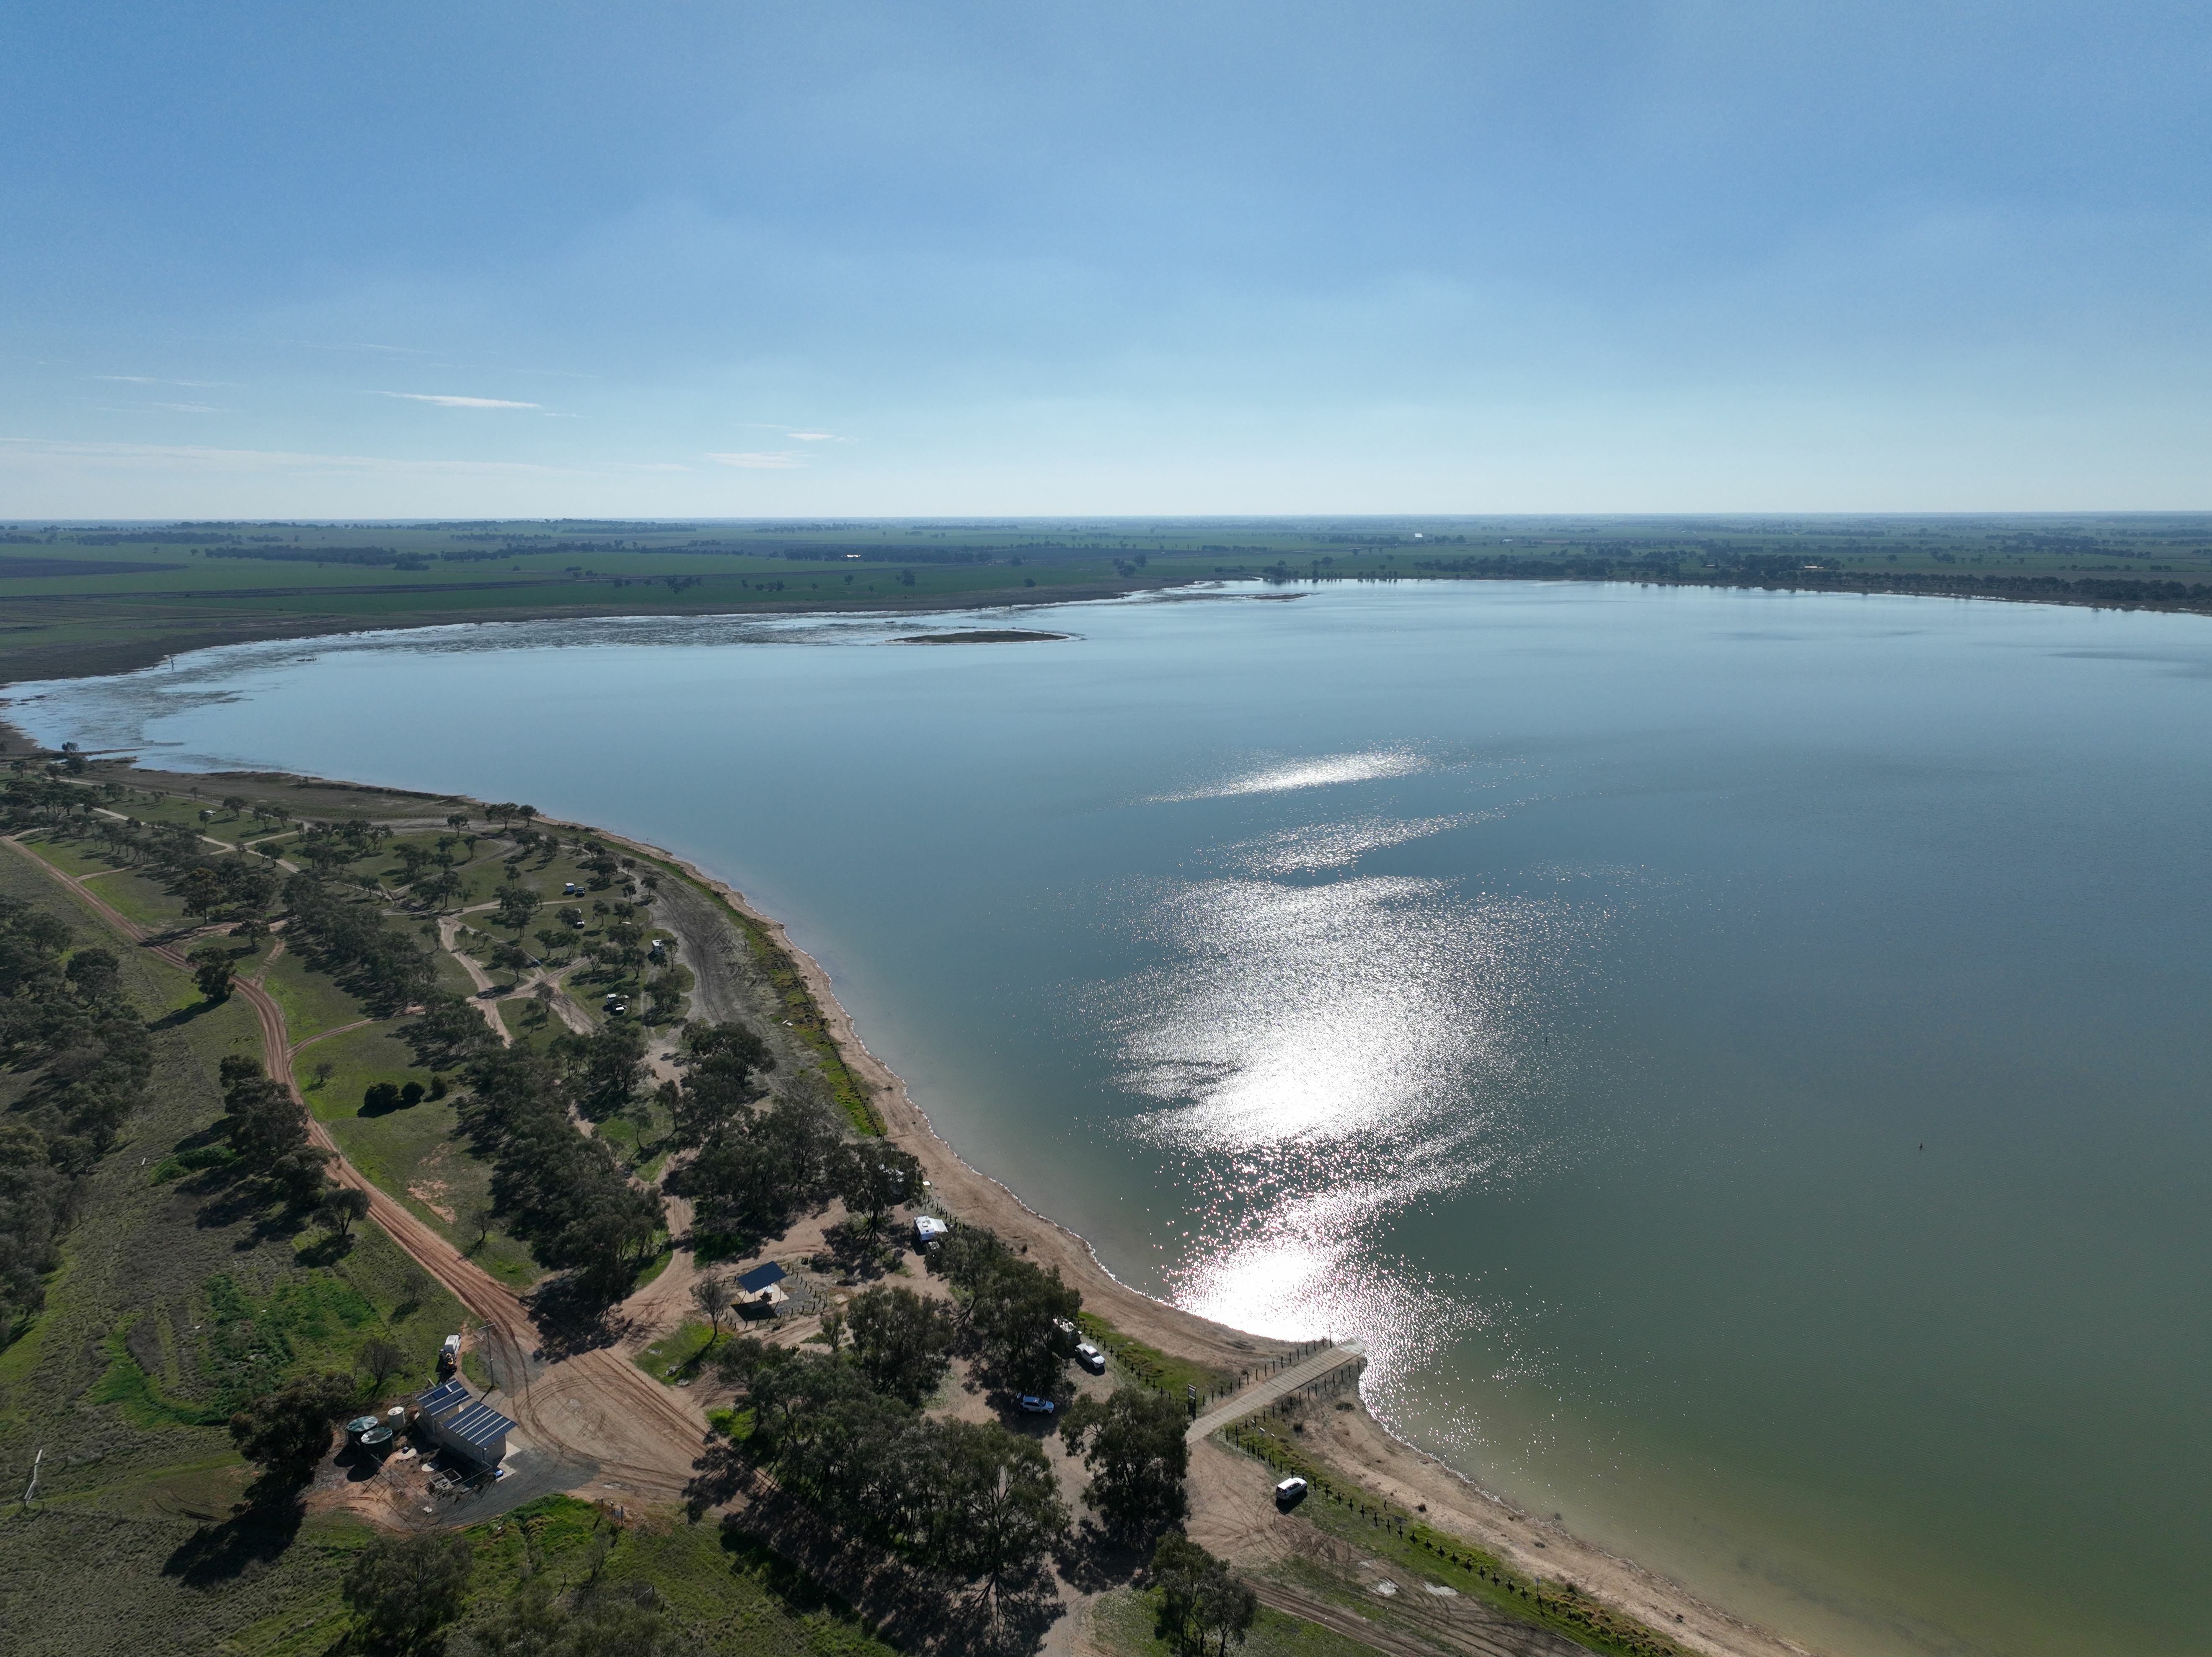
594, 1408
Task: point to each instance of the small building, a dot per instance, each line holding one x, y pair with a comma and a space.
465, 1425
763, 1287
927, 1228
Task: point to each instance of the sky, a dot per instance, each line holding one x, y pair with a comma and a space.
738, 258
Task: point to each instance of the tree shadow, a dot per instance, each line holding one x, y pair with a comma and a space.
857, 1253
327, 1250
722, 1474
714, 1248
227, 1194
213, 1134
184, 1015
1092, 1559
216, 1555
230, 1196
1012, 1625
572, 1318
813, 1567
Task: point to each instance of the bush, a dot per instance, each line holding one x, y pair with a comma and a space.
287, 1432
405, 1587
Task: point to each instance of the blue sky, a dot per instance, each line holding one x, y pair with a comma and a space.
740, 258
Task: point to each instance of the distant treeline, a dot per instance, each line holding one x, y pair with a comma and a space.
293, 553
416, 558
537, 546
1808, 571
142, 538
867, 551
491, 529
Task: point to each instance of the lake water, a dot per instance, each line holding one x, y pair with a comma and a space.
1740, 1059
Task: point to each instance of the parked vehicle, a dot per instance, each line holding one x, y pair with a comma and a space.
1090, 1357
1290, 1492
1031, 1404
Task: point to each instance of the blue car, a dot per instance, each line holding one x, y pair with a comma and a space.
1031, 1404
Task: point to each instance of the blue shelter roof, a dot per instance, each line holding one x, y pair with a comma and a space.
760, 1277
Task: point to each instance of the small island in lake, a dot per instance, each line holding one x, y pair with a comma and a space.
983, 635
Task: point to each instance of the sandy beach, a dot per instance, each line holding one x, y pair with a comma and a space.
1231, 1511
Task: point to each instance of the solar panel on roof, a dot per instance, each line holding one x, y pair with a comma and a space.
444, 1396
760, 1277
479, 1425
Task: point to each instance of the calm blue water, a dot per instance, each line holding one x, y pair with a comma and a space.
1741, 1059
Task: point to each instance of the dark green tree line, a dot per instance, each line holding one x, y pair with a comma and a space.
85, 1058
971, 1500
1019, 1320
563, 1192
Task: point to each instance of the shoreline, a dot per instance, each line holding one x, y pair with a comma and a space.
1045, 1238
93, 659
1374, 1454
1534, 1545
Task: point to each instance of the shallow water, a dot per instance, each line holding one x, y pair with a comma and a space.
1738, 1059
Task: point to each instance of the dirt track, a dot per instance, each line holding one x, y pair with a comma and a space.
595, 1408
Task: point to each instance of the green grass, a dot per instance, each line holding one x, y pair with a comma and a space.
411, 1154
723, 1592
515, 1014
151, 806
679, 1356
138, 898
151, 1328
720, 1586
1151, 1366
1123, 1621
639, 1136
1390, 1532
454, 979
69, 856
311, 1002
359, 1058
128, 1386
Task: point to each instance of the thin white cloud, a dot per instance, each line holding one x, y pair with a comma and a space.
190, 408
150, 379
760, 462
815, 437
21, 453
324, 345
445, 402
